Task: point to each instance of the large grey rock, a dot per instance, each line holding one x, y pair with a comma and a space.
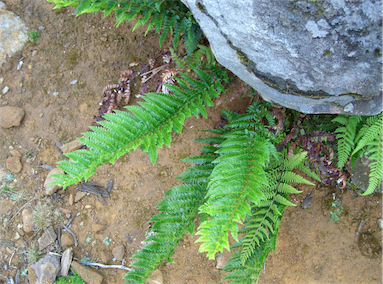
13, 33
46, 269
322, 56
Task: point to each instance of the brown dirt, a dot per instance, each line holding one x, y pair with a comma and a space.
91, 50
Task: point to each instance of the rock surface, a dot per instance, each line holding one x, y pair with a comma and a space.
66, 260
222, 259
13, 33
156, 278
67, 240
48, 237
87, 274
27, 220
51, 189
71, 146
11, 115
315, 57
13, 164
118, 252
46, 269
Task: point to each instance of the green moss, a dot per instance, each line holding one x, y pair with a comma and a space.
377, 52
326, 52
72, 59
242, 57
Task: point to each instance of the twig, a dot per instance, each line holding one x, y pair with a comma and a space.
106, 266
22, 207
70, 232
9, 280
360, 227
10, 259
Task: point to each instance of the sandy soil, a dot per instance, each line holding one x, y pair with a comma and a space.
92, 51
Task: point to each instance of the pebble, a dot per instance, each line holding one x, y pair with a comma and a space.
119, 252
79, 196
5, 90
65, 211
46, 269
66, 260
51, 189
66, 240
11, 116
17, 236
73, 82
13, 164
34, 52
71, 146
380, 221
48, 237
222, 259
87, 274
71, 199
88, 206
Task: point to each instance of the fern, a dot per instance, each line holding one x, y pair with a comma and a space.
346, 136
166, 16
148, 126
359, 136
179, 209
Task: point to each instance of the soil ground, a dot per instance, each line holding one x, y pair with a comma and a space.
91, 50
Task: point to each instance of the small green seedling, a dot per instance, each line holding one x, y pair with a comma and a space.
33, 36
73, 279
338, 210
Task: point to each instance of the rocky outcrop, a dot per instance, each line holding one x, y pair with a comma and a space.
313, 56
13, 33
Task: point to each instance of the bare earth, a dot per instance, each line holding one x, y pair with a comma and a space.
91, 50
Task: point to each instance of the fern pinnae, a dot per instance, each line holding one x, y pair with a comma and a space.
147, 126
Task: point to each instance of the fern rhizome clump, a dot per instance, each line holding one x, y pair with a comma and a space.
240, 184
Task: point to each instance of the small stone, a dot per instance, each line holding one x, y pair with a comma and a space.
66, 260
105, 256
48, 237
380, 221
156, 278
73, 82
71, 199
222, 259
51, 189
79, 196
103, 38
15, 153
87, 274
98, 228
34, 52
5, 90
65, 211
41, 115
17, 236
46, 269
88, 206
71, 146
118, 252
11, 116
30, 66
67, 240
27, 220
13, 164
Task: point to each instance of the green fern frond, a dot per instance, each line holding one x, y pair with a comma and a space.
265, 218
369, 132
178, 210
376, 166
346, 136
148, 126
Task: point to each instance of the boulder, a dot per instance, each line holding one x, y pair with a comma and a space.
311, 56
13, 33
46, 269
